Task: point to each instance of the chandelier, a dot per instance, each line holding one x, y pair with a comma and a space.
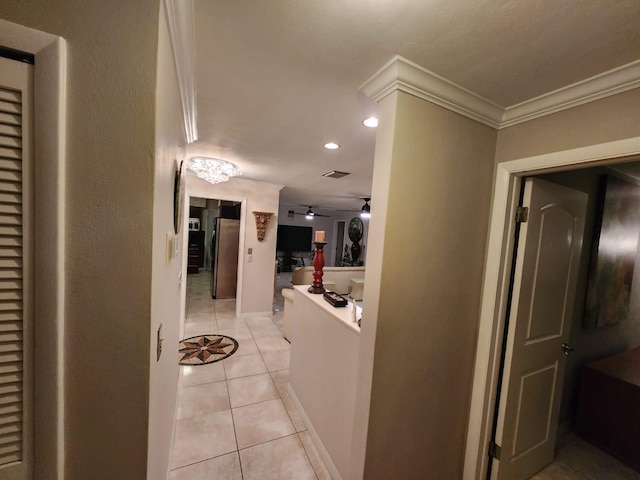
213, 170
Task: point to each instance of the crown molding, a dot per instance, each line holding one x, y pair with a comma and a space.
182, 32
406, 76
618, 80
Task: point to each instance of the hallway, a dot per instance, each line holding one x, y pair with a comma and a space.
235, 420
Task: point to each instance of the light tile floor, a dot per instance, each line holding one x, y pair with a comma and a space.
235, 419
577, 459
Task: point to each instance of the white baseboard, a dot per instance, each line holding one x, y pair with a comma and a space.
328, 462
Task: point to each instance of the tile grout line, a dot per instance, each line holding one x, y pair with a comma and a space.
233, 419
307, 454
272, 440
181, 387
287, 411
296, 433
194, 298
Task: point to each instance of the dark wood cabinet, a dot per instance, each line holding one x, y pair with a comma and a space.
195, 259
609, 407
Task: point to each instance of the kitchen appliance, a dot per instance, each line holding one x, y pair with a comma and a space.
224, 254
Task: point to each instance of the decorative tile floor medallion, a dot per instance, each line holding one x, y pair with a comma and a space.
203, 349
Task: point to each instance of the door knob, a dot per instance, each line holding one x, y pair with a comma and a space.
567, 349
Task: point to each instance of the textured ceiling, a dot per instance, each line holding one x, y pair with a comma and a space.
277, 79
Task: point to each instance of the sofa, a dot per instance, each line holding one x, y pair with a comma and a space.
287, 293
341, 276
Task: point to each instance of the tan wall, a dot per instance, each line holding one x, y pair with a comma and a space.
607, 120
165, 300
110, 164
379, 190
439, 190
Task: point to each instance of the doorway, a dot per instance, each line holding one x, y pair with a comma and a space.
497, 281
542, 296
213, 244
201, 212
17, 323
48, 219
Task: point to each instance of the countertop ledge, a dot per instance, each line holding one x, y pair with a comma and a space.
344, 315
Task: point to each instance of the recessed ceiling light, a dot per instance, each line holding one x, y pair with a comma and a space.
371, 122
331, 146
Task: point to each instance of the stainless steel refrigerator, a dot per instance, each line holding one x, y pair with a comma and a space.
224, 254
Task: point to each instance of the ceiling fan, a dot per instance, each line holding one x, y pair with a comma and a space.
308, 215
365, 211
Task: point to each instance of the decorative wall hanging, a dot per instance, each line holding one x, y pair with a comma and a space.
355, 231
178, 197
614, 251
262, 222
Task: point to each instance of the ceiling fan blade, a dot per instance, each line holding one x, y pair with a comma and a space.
314, 214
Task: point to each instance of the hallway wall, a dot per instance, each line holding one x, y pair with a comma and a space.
110, 157
612, 118
433, 171
165, 284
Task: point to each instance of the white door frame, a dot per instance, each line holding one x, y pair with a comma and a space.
200, 192
496, 280
50, 92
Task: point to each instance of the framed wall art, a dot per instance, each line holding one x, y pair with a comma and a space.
178, 196
614, 252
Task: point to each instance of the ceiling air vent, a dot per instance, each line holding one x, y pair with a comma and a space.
335, 174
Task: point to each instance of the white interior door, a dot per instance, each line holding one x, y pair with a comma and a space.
16, 326
546, 270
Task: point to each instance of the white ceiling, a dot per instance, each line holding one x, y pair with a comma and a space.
276, 79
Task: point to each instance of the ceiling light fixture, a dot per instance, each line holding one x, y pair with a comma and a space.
331, 146
371, 122
366, 209
213, 170
309, 215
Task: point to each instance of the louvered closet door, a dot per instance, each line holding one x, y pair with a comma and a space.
16, 329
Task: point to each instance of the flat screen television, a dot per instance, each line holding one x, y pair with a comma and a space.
294, 239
